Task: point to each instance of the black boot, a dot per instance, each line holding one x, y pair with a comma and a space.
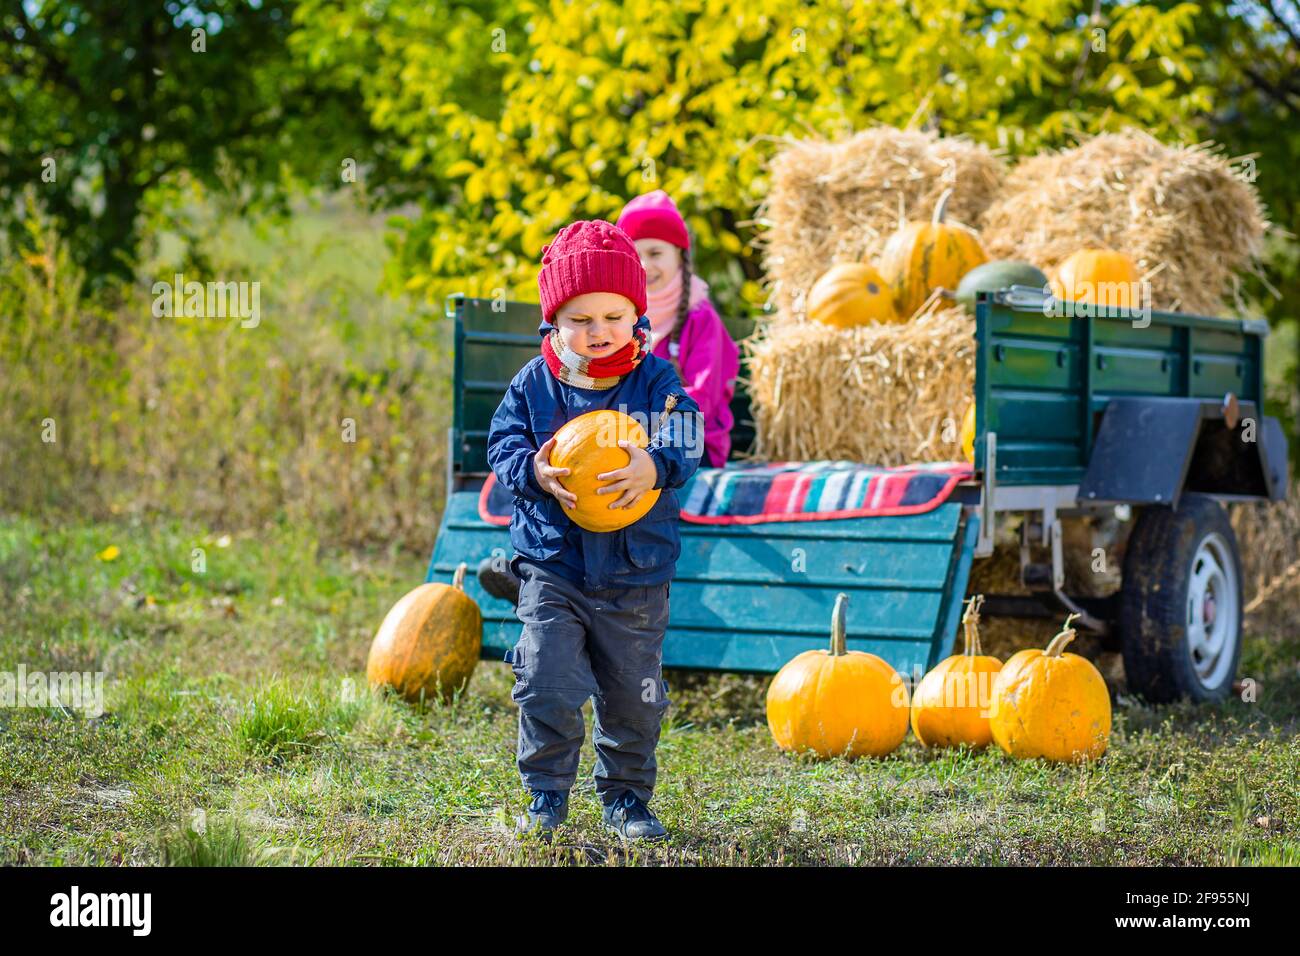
498, 580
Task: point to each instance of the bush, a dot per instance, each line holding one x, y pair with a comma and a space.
332, 411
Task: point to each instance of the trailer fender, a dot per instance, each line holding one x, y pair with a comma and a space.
1152, 450
1277, 464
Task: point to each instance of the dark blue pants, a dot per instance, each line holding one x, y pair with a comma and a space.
603, 644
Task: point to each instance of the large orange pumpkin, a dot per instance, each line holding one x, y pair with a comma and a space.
1100, 276
429, 642
1051, 704
588, 446
851, 294
951, 704
923, 256
839, 703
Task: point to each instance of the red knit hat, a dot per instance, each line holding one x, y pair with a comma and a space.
655, 216
590, 255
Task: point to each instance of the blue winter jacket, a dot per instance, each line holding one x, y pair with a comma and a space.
535, 406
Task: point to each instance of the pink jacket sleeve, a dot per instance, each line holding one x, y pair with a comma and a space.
710, 362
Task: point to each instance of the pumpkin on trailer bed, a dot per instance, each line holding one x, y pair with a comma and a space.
838, 703
1099, 276
968, 433
429, 642
1051, 704
588, 446
851, 294
924, 256
951, 703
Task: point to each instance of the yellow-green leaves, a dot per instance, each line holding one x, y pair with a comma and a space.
526, 115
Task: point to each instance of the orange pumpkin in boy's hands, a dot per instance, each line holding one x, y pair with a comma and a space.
588, 446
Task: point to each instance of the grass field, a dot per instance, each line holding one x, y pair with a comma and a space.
238, 729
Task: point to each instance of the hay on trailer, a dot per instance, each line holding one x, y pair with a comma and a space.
999, 573
881, 394
1185, 215
831, 202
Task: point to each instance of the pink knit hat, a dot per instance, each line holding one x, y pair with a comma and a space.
655, 216
590, 255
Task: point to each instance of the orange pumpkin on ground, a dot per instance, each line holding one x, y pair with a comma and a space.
1051, 704
839, 703
924, 256
951, 703
1099, 276
588, 446
851, 294
429, 642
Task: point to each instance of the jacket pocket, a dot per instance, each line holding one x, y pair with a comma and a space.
652, 544
537, 529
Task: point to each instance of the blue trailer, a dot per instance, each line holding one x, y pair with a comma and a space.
1162, 420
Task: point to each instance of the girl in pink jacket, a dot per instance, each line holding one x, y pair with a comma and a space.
684, 326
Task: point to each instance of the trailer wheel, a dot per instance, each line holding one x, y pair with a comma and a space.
1180, 603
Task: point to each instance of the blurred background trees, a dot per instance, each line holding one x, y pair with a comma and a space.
103, 103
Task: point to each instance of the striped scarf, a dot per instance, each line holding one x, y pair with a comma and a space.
599, 373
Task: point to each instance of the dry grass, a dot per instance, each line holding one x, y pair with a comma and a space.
835, 202
1184, 213
332, 412
887, 395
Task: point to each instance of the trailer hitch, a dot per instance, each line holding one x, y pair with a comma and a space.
1047, 581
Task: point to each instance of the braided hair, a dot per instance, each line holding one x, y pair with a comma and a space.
683, 309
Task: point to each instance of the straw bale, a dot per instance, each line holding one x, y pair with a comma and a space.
1184, 213
1268, 537
882, 394
832, 202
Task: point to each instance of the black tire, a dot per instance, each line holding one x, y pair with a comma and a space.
1162, 662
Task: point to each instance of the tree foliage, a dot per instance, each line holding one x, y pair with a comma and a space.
520, 117
118, 98
1252, 63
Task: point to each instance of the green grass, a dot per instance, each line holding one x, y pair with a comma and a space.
238, 730
282, 720
199, 842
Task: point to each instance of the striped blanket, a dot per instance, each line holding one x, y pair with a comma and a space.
755, 493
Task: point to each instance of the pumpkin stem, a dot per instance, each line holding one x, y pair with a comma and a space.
941, 207
971, 624
1065, 636
458, 579
839, 645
